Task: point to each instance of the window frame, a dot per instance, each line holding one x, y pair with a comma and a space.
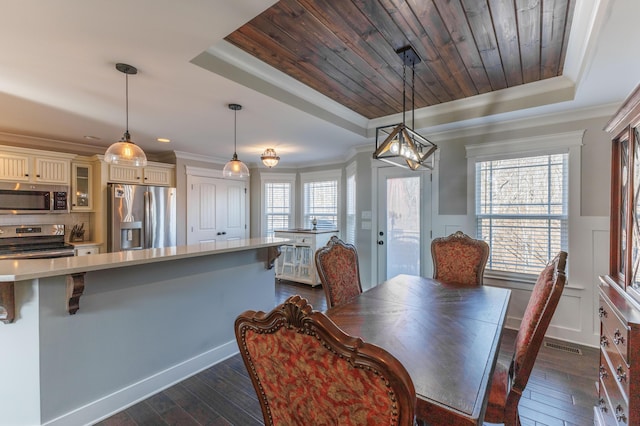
271, 178
569, 142
327, 175
351, 197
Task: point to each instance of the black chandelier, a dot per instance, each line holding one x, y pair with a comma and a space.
399, 144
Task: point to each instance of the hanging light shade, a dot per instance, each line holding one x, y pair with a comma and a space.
269, 157
399, 144
125, 151
235, 167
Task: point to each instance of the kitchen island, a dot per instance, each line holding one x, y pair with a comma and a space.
91, 335
297, 262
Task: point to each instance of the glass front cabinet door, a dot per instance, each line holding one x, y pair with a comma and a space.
81, 198
625, 211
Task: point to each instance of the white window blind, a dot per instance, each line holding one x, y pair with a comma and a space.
277, 196
321, 202
522, 210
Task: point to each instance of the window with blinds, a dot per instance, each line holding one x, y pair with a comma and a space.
522, 211
277, 209
320, 199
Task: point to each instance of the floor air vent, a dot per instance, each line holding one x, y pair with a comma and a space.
564, 348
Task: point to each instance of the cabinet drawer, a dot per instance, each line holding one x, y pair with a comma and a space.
87, 250
304, 239
604, 416
619, 369
617, 333
609, 390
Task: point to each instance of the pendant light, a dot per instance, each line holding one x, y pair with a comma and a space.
125, 151
235, 167
269, 157
402, 146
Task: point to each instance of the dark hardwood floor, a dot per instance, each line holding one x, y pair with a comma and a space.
560, 392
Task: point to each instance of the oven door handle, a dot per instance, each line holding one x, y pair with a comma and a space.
39, 255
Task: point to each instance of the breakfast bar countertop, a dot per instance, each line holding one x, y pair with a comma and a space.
17, 270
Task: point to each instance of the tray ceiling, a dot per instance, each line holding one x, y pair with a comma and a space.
346, 50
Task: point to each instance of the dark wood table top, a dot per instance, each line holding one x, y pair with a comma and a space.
446, 336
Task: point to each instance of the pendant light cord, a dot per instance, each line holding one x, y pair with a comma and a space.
126, 108
413, 95
235, 131
404, 79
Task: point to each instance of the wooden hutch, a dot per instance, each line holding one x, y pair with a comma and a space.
619, 291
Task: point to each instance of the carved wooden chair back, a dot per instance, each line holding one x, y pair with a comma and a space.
509, 382
339, 272
459, 258
307, 371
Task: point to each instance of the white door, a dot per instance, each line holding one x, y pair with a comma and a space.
215, 209
404, 219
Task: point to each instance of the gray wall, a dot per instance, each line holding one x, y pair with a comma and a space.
596, 154
452, 189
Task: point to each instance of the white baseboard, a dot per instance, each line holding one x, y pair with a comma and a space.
121, 399
559, 333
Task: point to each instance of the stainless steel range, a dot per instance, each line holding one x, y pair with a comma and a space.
33, 242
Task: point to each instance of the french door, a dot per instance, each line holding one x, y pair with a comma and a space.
404, 221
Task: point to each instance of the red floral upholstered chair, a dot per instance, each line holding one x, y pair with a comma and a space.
459, 258
337, 265
509, 382
306, 371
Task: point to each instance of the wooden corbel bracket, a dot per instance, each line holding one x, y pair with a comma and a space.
272, 255
7, 302
75, 288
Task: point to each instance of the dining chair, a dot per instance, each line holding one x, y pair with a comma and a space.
307, 371
458, 258
509, 382
339, 272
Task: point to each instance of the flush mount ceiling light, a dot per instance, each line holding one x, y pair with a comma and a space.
125, 151
398, 144
235, 167
269, 158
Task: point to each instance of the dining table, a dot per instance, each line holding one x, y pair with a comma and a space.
446, 335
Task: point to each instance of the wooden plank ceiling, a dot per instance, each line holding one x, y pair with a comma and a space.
346, 49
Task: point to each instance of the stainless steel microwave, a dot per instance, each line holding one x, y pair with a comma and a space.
28, 198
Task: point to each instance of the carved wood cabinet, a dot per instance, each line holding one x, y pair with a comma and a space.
619, 291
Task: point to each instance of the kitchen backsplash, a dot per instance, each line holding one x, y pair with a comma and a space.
69, 220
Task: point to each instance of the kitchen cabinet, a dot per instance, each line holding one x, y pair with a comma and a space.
297, 259
34, 166
156, 174
619, 303
81, 187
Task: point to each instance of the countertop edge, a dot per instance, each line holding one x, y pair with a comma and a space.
19, 270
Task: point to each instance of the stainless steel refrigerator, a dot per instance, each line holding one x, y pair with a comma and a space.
140, 217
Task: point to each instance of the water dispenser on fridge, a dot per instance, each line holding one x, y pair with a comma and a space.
140, 217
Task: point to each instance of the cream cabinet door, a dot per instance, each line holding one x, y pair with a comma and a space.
157, 176
125, 174
81, 187
15, 167
52, 170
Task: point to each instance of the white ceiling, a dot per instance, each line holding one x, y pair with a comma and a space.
58, 80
